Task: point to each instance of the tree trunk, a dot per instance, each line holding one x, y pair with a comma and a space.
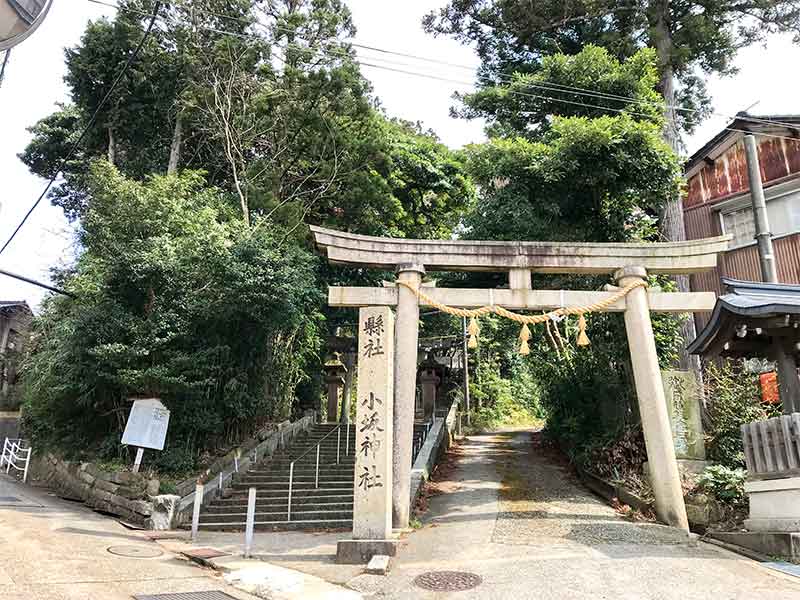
112, 146
672, 226
175, 149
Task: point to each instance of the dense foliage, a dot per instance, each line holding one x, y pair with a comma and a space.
175, 299
692, 39
580, 177
733, 398
199, 286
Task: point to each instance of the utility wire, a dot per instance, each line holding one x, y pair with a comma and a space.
89, 125
548, 86
36, 283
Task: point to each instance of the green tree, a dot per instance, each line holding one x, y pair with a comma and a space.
174, 297
580, 177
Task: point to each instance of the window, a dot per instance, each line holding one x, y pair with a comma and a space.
783, 213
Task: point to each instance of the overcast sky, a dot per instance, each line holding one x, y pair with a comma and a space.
33, 85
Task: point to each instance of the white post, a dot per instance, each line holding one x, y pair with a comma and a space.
138, 460
251, 517
316, 476
198, 502
27, 463
289, 500
664, 474
236, 462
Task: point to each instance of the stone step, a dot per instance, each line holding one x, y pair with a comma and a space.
264, 492
299, 515
300, 468
297, 485
279, 506
280, 525
308, 476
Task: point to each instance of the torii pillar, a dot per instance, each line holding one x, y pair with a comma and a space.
405, 384
664, 475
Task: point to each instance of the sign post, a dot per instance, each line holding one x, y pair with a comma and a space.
372, 485
146, 427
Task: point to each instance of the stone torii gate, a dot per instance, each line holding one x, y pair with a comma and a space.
629, 263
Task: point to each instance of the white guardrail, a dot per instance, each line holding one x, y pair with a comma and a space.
17, 455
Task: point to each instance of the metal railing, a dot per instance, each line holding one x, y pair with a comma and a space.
338, 431
419, 442
16, 454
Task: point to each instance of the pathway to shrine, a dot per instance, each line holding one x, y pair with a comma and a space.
513, 515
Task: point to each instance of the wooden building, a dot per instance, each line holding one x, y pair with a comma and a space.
717, 199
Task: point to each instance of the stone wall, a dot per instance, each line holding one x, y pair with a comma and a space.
128, 495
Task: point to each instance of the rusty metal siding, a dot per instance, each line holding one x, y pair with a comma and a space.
743, 263
777, 158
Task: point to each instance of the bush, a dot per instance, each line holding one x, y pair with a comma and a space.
724, 484
733, 399
173, 299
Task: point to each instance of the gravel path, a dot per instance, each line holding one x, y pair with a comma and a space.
542, 504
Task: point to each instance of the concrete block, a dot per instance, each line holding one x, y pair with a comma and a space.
774, 504
164, 513
773, 543
360, 552
378, 565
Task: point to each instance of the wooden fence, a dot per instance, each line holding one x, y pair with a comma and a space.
772, 447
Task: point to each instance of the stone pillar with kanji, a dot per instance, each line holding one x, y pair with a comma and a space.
372, 485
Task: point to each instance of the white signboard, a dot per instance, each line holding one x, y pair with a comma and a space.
147, 425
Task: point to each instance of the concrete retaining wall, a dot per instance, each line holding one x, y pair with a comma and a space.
439, 439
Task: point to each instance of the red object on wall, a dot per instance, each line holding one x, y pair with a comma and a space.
769, 388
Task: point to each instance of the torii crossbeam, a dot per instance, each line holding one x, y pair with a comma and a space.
626, 262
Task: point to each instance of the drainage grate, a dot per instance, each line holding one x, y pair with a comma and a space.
448, 581
135, 551
211, 595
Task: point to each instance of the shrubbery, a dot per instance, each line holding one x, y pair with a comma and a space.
733, 398
176, 299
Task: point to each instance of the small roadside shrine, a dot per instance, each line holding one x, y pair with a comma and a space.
762, 320
757, 320
388, 345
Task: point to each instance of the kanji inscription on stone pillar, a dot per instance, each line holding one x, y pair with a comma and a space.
372, 488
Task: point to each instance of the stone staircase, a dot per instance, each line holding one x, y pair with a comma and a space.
329, 506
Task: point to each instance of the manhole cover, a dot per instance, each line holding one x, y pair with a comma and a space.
447, 581
135, 551
212, 595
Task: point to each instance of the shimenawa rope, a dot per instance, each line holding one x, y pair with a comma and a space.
525, 320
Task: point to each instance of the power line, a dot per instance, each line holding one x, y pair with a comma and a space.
36, 283
547, 86
89, 125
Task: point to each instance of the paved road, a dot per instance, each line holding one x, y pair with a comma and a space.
51, 549
513, 516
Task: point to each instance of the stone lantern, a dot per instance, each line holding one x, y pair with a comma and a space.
334, 380
429, 378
